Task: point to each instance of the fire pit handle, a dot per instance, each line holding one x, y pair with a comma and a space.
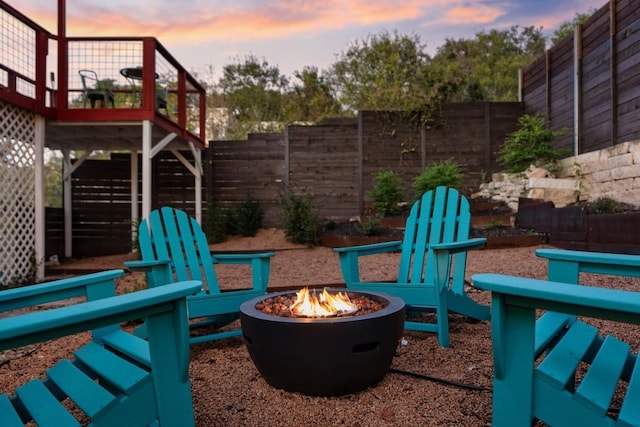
366, 347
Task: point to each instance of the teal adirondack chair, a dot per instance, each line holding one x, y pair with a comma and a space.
174, 248
559, 368
116, 379
432, 264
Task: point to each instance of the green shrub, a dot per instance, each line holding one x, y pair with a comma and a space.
530, 145
447, 173
301, 221
371, 225
246, 218
216, 226
607, 205
386, 193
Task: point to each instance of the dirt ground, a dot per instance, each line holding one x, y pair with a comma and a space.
429, 385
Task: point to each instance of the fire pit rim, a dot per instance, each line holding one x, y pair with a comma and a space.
394, 303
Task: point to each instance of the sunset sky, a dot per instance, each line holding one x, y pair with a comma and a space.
293, 33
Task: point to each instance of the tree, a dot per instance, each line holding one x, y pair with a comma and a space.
486, 68
566, 28
254, 92
385, 72
311, 99
53, 179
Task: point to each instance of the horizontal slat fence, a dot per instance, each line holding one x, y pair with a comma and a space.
335, 162
591, 85
101, 207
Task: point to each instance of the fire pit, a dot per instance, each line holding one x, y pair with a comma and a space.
323, 356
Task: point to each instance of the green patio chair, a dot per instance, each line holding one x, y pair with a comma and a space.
116, 379
94, 90
174, 248
432, 264
562, 367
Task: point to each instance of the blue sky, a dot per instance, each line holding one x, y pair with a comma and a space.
293, 33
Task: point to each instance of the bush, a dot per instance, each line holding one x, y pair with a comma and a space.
246, 218
447, 173
216, 225
386, 193
530, 145
301, 221
607, 205
371, 225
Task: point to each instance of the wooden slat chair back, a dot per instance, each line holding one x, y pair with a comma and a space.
170, 234
559, 368
174, 248
432, 264
116, 379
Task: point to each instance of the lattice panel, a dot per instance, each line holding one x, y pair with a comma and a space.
17, 195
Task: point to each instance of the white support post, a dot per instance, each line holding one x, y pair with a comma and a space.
146, 168
135, 220
66, 201
39, 197
198, 179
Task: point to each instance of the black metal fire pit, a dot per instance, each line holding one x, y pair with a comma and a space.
323, 356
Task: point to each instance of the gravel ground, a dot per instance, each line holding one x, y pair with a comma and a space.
429, 385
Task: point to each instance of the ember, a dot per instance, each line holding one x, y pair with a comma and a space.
284, 305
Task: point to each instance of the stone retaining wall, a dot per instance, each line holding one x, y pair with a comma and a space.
613, 172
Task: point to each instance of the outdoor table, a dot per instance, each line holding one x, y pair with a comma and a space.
134, 75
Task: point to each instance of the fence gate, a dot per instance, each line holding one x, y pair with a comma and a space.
17, 195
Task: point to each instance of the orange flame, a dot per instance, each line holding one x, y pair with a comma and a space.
324, 305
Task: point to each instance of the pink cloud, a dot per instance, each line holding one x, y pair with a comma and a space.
268, 20
478, 14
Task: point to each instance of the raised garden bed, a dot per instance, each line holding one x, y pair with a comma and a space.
581, 228
351, 234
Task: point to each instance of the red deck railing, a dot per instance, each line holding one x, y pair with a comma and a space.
157, 87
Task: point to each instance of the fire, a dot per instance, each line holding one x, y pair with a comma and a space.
325, 304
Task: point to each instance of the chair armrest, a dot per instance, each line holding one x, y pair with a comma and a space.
590, 301
92, 286
348, 257
371, 249
566, 265
241, 258
462, 245
146, 265
49, 324
516, 300
158, 271
260, 266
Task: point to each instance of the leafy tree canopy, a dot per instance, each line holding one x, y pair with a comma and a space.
311, 99
253, 91
385, 71
486, 67
566, 28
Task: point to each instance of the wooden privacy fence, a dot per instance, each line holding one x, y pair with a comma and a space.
335, 162
101, 203
589, 82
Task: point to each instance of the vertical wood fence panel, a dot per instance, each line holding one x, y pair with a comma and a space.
252, 169
323, 162
609, 78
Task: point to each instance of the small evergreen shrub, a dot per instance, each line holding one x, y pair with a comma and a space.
301, 221
371, 225
532, 144
607, 205
386, 193
216, 226
447, 173
246, 218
